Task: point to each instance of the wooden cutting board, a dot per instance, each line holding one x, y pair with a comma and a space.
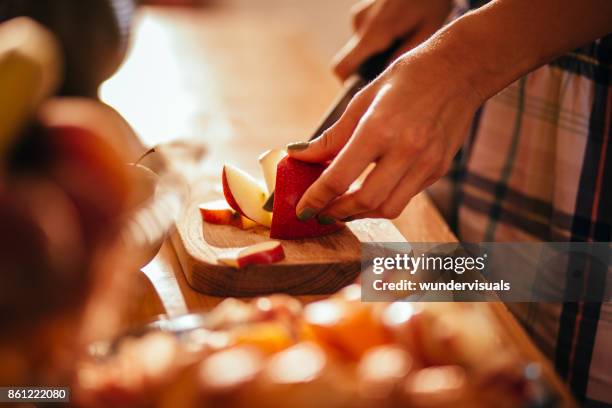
312, 266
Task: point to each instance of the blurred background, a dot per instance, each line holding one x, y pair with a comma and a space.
162, 110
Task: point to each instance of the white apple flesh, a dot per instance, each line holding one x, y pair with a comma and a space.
263, 253
268, 161
245, 195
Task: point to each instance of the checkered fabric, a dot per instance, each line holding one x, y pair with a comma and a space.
537, 166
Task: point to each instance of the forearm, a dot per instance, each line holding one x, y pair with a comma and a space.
497, 44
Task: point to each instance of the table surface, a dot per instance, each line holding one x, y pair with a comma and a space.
243, 83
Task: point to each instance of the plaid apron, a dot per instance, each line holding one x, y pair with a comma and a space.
537, 166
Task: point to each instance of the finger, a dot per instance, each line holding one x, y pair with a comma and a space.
358, 49
355, 156
326, 146
374, 191
360, 12
370, 40
411, 183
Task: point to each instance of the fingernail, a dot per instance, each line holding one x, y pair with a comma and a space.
325, 220
298, 146
348, 219
306, 214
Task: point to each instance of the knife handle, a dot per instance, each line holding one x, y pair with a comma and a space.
375, 64
367, 71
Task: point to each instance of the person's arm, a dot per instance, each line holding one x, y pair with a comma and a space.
412, 119
512, 37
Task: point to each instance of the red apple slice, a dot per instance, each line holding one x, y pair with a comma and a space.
293, 177
219, 212
263, 253
245, 195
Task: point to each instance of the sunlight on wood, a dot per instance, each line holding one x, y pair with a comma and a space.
149, 89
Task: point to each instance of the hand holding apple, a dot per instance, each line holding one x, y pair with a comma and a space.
286, 181
293, 178
409, 123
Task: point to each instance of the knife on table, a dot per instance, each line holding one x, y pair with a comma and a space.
366, 73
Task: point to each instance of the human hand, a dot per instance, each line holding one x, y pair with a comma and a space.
410, 122
377, 23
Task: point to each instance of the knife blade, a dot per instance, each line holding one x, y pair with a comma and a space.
366, 72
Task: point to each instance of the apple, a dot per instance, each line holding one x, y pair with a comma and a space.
103, 119
92, 173
30, 65
144, 184
269, 161
293, 177
218, 212
245, 195
263, 253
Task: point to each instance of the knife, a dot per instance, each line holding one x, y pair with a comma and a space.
366, 73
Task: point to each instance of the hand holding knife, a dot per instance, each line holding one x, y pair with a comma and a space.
366, 72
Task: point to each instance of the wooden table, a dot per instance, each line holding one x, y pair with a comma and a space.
243, 83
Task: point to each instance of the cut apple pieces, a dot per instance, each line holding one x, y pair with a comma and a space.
245, 195
293, 179
263, 253
269, 161
219, 212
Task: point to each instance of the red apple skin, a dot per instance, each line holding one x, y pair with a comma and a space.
220, 216
228, 194
261, 258
217, 212
293, 177
93, 174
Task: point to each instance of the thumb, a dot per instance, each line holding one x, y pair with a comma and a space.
327, 145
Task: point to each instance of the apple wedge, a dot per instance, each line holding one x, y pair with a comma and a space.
245, 195
219, 212
263, 253
269, 161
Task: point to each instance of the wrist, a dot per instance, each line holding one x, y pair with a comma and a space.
479, 58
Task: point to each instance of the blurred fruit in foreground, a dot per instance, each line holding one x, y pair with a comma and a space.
63, 195
96, 116
41, 253
225, 378
379, 372
300, 377
439, 387
335, 322
143, 365
93, 35
92, 174
267, 359
29, 72
144, 183
81, 159
42, 283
